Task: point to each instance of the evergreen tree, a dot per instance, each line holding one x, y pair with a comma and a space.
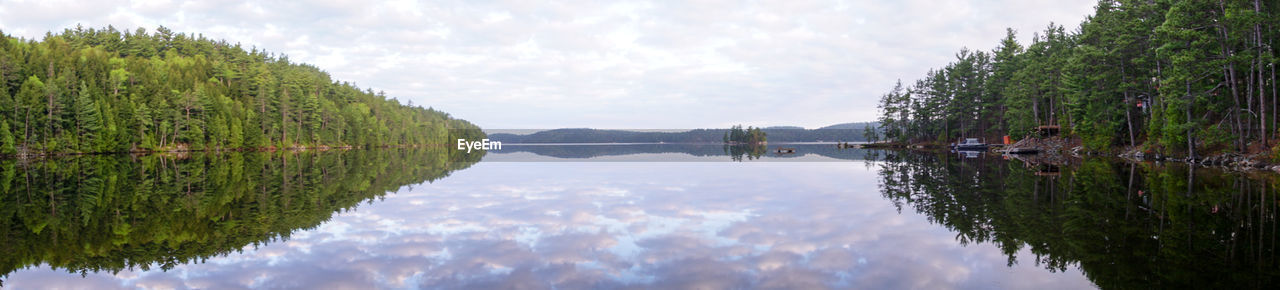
1004, 65
7, 144
88, 120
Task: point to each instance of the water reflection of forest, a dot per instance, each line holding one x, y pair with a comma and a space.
114, 212
1126, 225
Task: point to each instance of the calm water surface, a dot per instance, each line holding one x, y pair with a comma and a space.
525, 218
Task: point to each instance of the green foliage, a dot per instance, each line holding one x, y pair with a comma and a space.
895, 118
737, 135
7, 144
1177, 75
88, 120
870, 133
104, 90
1215, 136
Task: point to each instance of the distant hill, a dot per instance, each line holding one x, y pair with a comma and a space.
583, 152
612, 136
852, 126
775, 134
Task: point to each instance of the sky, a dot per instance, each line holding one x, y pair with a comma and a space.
600, 64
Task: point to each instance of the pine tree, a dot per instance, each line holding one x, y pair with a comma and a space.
7, 144
1190, 47
7, 105
1004, 63
88, 120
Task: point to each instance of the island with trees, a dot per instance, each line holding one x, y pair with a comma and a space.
749, 136
105, 90
1181, 78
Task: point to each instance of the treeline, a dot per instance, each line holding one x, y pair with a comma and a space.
583, 135
709, 136
104, 90
750, 135
1174, 76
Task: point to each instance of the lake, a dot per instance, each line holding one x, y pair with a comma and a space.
631, 216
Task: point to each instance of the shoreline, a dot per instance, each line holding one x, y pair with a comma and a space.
183, 150
1233, 161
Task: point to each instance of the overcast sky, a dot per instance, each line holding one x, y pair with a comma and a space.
609, 64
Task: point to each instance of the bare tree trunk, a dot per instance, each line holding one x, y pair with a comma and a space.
187, 121
1262, 100
174, 140
262, 114
1035, 110
48, 125
284, 113
1262, 106
1248, 96
1230, 77
1128, 118
26, 128
1191, 148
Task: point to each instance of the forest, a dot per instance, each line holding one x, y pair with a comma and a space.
105, 90
1183, 77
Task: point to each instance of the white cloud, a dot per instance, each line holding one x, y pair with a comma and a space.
515, 64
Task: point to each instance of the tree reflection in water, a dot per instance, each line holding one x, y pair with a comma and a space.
113, 212
1126, 225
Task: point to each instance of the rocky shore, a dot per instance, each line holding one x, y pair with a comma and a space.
1058, 147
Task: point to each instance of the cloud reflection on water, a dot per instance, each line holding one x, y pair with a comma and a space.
613, 225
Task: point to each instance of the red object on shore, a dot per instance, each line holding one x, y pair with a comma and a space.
1006, 140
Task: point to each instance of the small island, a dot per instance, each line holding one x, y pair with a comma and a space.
750, 136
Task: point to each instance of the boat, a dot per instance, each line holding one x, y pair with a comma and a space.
970, 144
781, 150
